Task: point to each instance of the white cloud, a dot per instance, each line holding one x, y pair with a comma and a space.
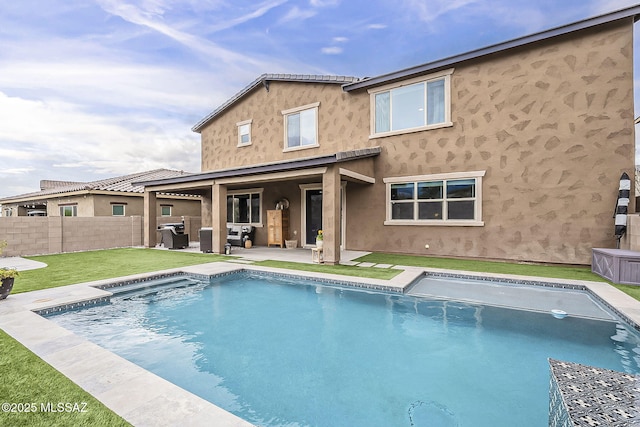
324, 3
333, 50
432, 10
376, 26
296, 14
68, 137
604, 6
340, 39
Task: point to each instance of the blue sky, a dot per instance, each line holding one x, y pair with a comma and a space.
96, 89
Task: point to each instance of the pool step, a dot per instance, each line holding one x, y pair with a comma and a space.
151, 286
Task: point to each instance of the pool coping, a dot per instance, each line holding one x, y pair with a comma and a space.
136, 394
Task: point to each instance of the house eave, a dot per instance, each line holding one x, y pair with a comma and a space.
265, 168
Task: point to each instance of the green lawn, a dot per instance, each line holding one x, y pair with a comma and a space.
78, 267
26, 378
553, 271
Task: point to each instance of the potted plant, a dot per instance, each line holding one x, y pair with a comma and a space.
7, 277
319, 239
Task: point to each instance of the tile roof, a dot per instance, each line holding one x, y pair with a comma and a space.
117, 184
264, 81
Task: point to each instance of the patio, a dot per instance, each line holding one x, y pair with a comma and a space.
262, 253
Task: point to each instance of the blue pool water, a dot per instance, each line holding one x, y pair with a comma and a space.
282, 354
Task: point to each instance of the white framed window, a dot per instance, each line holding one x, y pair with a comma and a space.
244, 133
244, 206
69, 210
413, 105
165, 210
8, 211
301, 127
117, 210
450, 199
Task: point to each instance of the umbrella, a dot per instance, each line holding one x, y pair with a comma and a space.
622, 206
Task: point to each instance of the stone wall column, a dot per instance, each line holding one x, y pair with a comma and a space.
331, 214
219, 217
150, 219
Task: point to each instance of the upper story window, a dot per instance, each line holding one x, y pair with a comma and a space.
244, 132
301, 127
441, 199
413, 105
117, 210
165, 210
243, 207
69, 210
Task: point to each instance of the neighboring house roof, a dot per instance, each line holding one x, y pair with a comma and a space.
264, 81
121, 184
511, 44
45, 184
282, 166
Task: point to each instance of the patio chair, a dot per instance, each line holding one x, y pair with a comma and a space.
173, 240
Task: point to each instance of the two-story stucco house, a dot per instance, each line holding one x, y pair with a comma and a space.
511, 152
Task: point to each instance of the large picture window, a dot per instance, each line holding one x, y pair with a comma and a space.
301, 127
442, 199
413, 105
244, 208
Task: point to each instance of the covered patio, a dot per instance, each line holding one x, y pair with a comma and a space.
263, 253
315, 190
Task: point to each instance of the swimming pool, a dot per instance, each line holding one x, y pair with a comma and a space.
279, 353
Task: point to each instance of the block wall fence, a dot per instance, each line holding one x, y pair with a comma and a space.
51, 235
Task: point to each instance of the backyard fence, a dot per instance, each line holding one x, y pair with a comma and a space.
50, 235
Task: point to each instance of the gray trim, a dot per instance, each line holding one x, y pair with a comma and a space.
434, 66
309, 162
264, 81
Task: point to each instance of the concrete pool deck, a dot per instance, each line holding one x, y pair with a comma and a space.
143, 398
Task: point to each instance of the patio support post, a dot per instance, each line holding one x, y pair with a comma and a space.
219, 217
331, 214
150, 219
206, 208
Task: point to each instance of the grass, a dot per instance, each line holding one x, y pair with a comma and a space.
552, 271
78, 267
524, 269
345, 270
27, 379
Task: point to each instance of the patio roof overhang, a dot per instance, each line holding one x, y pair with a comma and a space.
267, 172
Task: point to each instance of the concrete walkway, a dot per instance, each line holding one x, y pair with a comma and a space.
20, 264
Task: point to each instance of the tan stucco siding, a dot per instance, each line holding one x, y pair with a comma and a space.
343, 124
84, 205
552, 126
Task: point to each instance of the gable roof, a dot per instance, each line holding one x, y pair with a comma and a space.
264, 81
121, 184
430, 67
